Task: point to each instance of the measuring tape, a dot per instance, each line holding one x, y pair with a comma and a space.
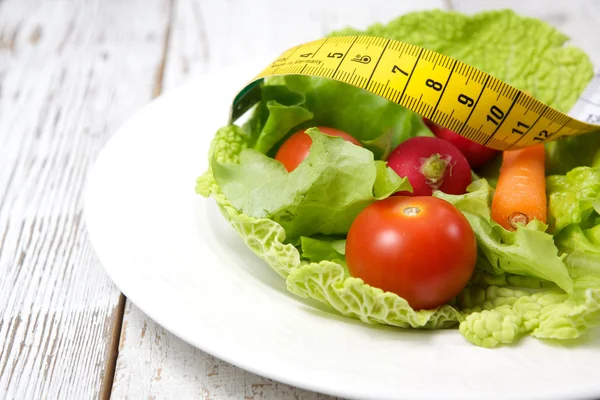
448, 92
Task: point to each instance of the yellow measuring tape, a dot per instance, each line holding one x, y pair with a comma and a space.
449, 92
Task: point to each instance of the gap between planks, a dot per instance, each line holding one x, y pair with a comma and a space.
113, 351
111, 362
160, 72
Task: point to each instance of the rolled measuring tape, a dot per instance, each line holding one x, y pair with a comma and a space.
448, 92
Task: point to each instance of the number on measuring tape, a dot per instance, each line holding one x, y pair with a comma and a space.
543, 135
396, 68
466, 100
495, 116
437, 86
520, 125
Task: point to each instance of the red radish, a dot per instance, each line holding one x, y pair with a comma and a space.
476, 154
431, 164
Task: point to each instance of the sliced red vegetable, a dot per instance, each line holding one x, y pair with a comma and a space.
296, 148
476, 154
431, 164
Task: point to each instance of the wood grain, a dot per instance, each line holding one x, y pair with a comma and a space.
70, 73
155, 364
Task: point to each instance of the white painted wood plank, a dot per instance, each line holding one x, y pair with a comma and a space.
155, 364
208, 35
579, 19
152, 362
70, 74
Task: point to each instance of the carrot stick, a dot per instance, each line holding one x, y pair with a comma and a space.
521, 191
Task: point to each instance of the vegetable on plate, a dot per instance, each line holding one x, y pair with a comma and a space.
520, 195
357, 204
421, 248
476, 154
431, 164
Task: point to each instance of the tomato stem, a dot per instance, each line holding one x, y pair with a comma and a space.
411, 211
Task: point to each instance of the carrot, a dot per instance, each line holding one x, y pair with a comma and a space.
521, 190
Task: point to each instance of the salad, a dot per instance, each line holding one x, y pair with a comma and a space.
385, 217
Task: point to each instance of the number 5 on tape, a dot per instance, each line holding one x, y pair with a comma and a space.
449, 92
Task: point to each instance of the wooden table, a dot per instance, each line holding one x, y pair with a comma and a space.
70, 74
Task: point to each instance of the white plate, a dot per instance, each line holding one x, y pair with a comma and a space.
172, 254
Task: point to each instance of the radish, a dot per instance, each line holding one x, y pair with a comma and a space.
431, 164
476, 154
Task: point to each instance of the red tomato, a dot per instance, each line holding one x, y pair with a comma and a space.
421, 248
294, 150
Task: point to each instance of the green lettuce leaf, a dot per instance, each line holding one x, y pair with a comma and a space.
593, 234
528, 251
565, 154
342, 106
279, 111
330, 283
500, 315
323, 248
573, 198
574, 214
281, 119
582, 248
322, 195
